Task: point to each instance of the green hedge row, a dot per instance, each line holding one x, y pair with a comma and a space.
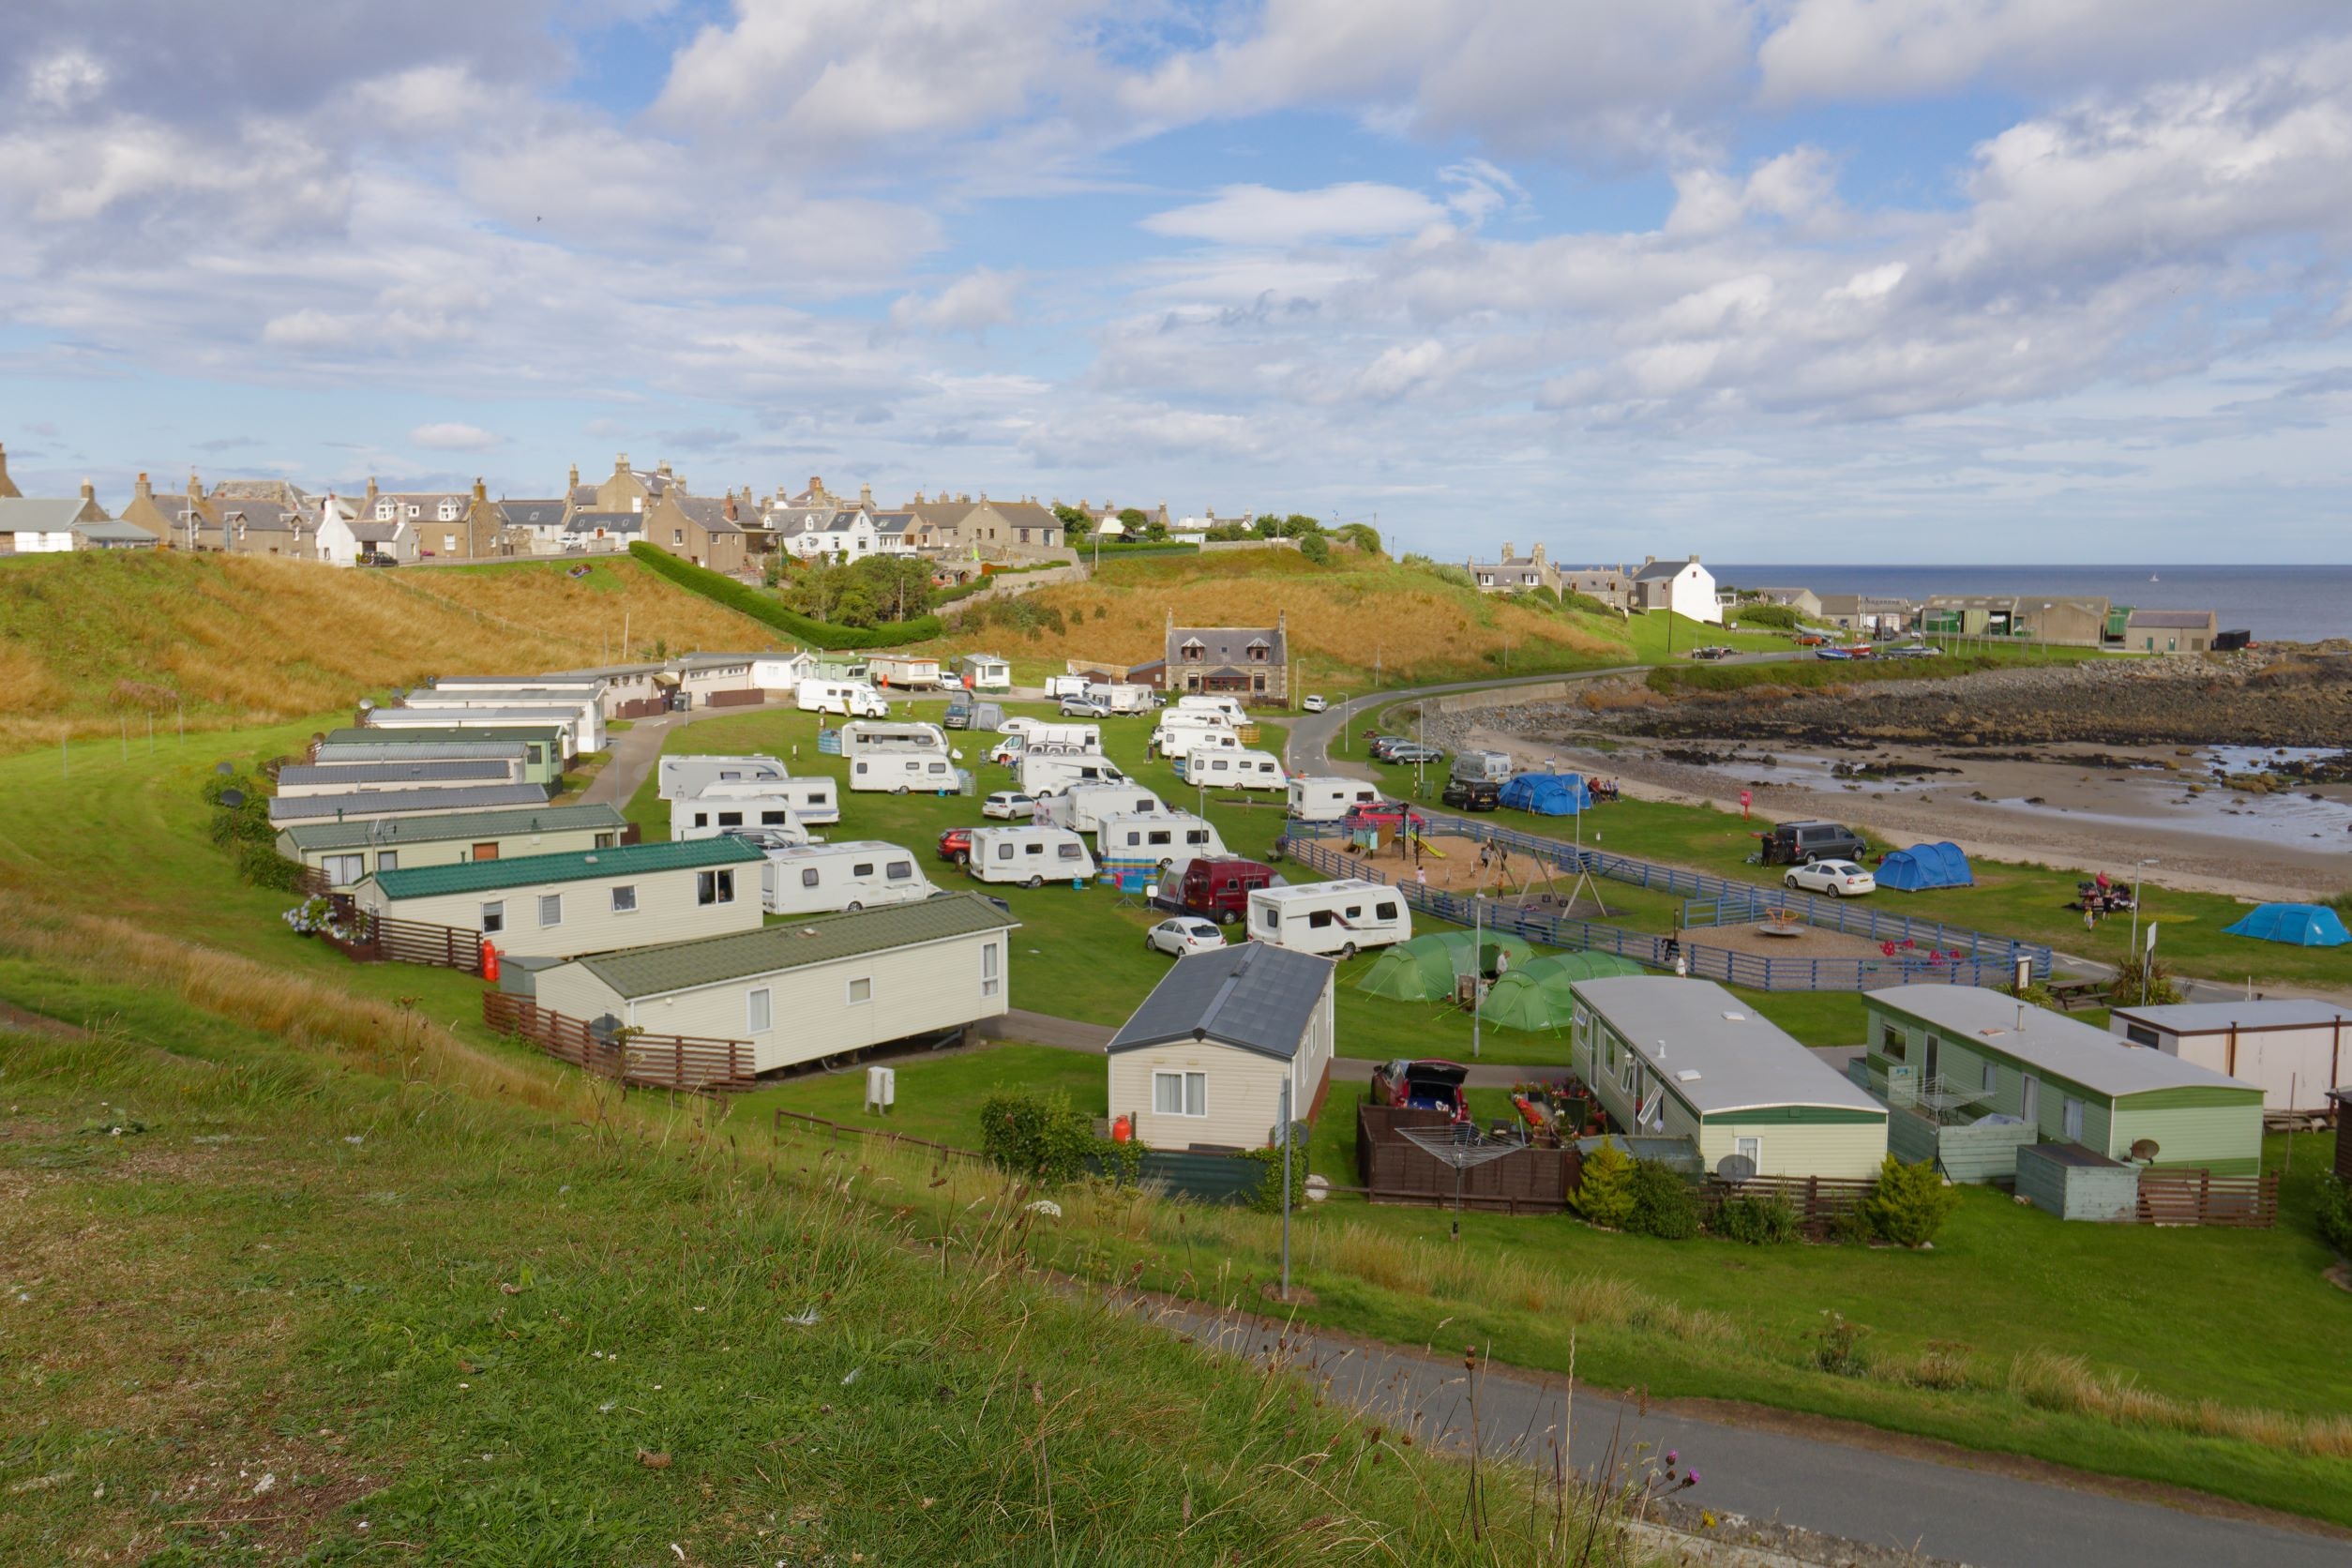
1086, 548
760, 607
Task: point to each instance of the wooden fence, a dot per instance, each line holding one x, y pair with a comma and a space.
740, 697
1394, 1169
370, 939
640, 707
1818, 1201
641, 1061
2201, 1197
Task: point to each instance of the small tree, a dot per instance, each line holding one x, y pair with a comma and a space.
1910, 1204
1076, 525
2160, 989
1605, 1196
1317, 548
1663, 1205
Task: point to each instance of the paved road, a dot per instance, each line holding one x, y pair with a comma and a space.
1948, 1510
637, 748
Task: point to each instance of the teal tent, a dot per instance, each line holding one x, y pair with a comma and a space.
2297, 924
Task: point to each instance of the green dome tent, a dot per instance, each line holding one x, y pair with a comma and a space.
1425, 969
1541, 996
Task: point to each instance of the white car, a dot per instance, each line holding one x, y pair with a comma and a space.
1839, 879
1009, 804
1314, 704
1183, 936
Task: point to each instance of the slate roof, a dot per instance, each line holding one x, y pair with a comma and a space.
267, 517
2218, 1017
435, 751
612, 522
30, 515
454, 827
534, 514
394, 802
893, 523
368, 531
441, 770
1983, 1019
1658, 571
1253, 997
1743, 1060
707, 511
426, 734
642, 971
1227, 645
281, 490
111, 532
532, 870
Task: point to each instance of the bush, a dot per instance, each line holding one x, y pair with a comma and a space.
1039, 1136
721, 589
1605, 1197
1767, 1221
2333, 1206
1586, 603
2162, 991
1315, 547
263, 866
1781, 615
1458, 576
1663, 1204
1267, 1199
1910, 1204
1837, 1347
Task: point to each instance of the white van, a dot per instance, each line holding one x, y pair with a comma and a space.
1483, 767
850, 699
1157, 839
819, 879
1032, 856
1326, 797
1051, 775
746, 806
1084, 806
1334, 917
1230, 768
1200, 704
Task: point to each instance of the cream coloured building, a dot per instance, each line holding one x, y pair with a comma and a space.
1203, 1059
561, 906
347, 853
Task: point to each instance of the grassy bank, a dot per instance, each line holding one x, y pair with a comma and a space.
1817, 675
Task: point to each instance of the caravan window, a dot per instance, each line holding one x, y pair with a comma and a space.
390, 860
623, 900
1386, 912
1273, 920
772, 819
1990, 1081
857, 767
988, 980
2139, 1035
730, 818
808, 876
1159, 836
864, 869
1319, 920
343, 869
938, 767
701, 818
715, 887
1034, 848
1004, 852
759, 1012
898, 870
1355, 912
1180, 1093
1195, 836
493, 919
1893, 1042
1070, 851
550, 908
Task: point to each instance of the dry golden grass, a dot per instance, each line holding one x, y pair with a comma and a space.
2068, 1384
241, 640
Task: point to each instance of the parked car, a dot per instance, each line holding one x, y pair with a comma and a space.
1472, 794
1184, 935
1427, 1084
1380, 747
1314, 704
1813, 639
1916, 650
378, 558
955, 846
1084, 707
1413, 751
1009, 804
1712, 651
1802, 843
1386, 815
1839, 879
959, 716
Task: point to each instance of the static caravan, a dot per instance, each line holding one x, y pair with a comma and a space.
1030, 855
762, 808
1155, 839
1123, 698
334, 753
703, 679
808, 989
812, 879
1051, 775
903, 669
340, 778
542, 745
503, 722
985, 673
1204, 1059
1230, 708
1686, 1059
1219, 768
2294, 1050
285, 809
1084, 806
607, 689
783, 672
582, 711
1326, 797
851, 699
1330, 917
346, 852
588, 902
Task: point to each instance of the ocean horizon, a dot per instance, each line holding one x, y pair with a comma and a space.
2279, 604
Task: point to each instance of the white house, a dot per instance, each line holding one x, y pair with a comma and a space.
811, 987
1684, 587
581, 901
1203, 1059
2294, 1049
37, 527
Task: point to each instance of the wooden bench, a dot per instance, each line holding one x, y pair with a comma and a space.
2068, 992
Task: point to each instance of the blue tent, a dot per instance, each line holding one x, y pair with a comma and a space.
2297, 924
1550, 795
1926, 865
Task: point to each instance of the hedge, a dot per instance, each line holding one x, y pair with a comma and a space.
1139, 546
725, 589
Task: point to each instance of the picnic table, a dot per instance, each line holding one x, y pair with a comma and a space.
2068, 992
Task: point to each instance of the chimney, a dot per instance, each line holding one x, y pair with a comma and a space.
8, 486
620, 462
1506, 550
575, 480
1537, 555
371, 494
142, 491
1649, 560
89, 491
729, 510
662, 468
480, 495
1694, 558
815, 487
866, 496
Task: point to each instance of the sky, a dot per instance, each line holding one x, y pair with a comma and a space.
1802, 280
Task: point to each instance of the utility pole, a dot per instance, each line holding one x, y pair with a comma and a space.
1478, 968
2137, 866
1286, 1186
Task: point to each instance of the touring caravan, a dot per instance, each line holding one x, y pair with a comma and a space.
819, 879
1052, 732
850, 699
1156, 838
864, 737
1230, 768
1230, 707
1331, 917
1218, 889
1032, 856
1178, 733
1057, 686
1122, 697
1326, 797
687, 775
765, 806
1051, 775
1083, 806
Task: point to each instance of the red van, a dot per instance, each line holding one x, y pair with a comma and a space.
1220, 889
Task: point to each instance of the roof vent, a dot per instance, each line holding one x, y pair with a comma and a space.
1688, 1075
589, 860
1735, 1017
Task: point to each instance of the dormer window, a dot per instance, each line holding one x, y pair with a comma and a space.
1258, 652
1192, 652
414, 510
449, 511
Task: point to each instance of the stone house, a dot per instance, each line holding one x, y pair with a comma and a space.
1249, 662
1684, 588
704, 530
1514, 573
175, 521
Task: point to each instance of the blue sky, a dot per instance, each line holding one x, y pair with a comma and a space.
1805, 279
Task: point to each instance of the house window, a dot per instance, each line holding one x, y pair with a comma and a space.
343, 869
2073, 1112
991, 982
625, 899
1180, 1093
448, 544
550, 908
757, 1012
1989, 1079
677, 536
1750, 1148
493, 918
715, 887
861, 990
388, 860
1192, 652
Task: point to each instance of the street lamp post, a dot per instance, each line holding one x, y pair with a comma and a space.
2137, 866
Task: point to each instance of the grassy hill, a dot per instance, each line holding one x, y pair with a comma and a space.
89, 639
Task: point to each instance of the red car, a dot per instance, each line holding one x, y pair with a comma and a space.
1427, 1084
955, 846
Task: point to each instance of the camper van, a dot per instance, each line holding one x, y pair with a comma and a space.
749, 806
1483, 767
850, 699
902, 669
1326, 797
1052, 773
819, 879
1333, 917
1230, 707
1059, 686
1230, 768
1218, 889
1032, 856
1084, 806
1121, 696
1171, 838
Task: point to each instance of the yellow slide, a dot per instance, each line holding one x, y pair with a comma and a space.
1426, 848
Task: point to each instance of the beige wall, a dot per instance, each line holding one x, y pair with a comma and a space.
1244, 1091
2292, 1066
1849, 1150
666, 911
412, 856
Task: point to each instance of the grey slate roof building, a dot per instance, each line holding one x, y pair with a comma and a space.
1253, 997
486, 770
441, 751
453, 827
394, 802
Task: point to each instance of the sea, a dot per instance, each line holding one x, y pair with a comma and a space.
2277, 604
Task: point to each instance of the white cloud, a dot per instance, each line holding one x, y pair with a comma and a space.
65, 80
1256, 214
451, 436
980, 299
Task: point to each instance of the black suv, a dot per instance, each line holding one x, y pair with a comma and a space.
1472, 794
1802, 843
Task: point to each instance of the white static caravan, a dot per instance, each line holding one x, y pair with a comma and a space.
818, 879
1051, 775
850, 699
581, 707
568, 731
985, 673
1326, 797
1219, 767
1032, 856
1083, 806
2293, 1049
910, 670
783, 672
1228, 707
1169, 840
1330, 917
808, 989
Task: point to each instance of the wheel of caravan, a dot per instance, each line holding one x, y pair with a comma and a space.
1035, 882
899, 791
852, 907
1346, 951
961, 857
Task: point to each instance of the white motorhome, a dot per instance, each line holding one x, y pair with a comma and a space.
1331, 917
1230, 707
1326, 797
1230, 768
851, 699
747, 806
1084, 806
1032, 856
1157, 839
818, 879
902, 669
1052, 773
1122, 697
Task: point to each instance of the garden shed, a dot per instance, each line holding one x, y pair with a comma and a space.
2297, 924
1926, 865
2294, 1049
1547, 794
2075, 1183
